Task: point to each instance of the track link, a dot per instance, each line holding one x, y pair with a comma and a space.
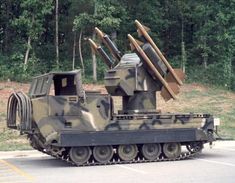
116, 160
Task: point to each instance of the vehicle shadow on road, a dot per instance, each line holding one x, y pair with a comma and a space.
45, 162
211, 155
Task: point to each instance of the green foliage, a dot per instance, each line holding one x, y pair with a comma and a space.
13, 68
105, 14
200, 34
81, 21
32, 16
214, 74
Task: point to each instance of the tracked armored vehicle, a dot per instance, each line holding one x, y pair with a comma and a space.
83, 127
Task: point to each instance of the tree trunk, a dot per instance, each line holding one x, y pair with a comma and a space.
74, 49
183, 52
205, 62
26, 58
6, 45
80, 53
205, 55
94, 62
57, 32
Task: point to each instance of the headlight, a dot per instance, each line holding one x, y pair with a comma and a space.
216, 121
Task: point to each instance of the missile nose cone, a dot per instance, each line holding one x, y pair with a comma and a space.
99, 32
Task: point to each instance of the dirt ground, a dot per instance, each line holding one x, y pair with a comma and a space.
192, 98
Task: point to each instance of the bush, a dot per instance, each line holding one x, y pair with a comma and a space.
215, 74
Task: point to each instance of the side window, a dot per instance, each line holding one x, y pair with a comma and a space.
32, 86
39, 86
45, 85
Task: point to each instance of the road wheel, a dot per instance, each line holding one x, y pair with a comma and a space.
80, 155
127, 152
103, 154
151, 151
171, 150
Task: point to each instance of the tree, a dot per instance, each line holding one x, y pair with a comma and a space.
31, 21
57, 31
182, 11
214, 39
102, 16
82, 22
198, 36
5, 24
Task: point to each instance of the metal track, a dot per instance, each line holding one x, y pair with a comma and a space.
116, 160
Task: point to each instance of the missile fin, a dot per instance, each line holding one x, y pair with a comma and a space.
180, 74
140, 43
165, 94
175, 87
146, 28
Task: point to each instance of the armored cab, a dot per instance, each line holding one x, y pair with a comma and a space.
62, 119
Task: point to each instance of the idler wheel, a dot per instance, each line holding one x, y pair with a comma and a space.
151, 151
80, 155
194, 147
103, 154
171, 150
127, 152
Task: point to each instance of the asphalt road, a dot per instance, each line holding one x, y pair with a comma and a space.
213, 165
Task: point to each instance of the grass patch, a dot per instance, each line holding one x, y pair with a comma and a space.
192, 94
11, 140
228, 124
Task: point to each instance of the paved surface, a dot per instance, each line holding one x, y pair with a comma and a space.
213, 165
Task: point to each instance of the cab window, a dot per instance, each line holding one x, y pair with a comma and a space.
64, 85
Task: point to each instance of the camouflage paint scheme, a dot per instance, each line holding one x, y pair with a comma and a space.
53, 113
93, 111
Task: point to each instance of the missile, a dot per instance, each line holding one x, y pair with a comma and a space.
142, 31
168, 90
101, 52
109, 43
